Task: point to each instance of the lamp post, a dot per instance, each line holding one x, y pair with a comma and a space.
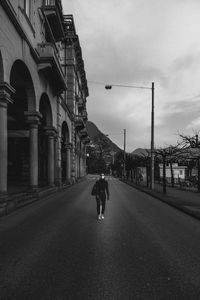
124, 172
152, 137
109, 87
195, 143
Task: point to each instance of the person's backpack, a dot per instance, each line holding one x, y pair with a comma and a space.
94, 190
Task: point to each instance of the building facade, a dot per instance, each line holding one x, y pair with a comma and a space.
43, 91
179, 172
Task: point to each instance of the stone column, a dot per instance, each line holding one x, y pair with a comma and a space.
58, 169
57, 162
73, 154
80, 165
33, 120
56, 166
5, 97
51, 160
33, 156
68, 164
51, 132
84, 161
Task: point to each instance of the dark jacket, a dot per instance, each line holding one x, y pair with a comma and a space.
102, 188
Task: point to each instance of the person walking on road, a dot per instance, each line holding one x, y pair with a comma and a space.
101, 192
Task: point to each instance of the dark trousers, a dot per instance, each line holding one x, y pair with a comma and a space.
101, 201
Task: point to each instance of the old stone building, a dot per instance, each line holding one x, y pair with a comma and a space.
43, 91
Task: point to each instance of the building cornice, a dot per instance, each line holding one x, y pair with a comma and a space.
72, 39
6, 91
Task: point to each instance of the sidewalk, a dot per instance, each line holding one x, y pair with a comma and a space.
187, 201
20, 196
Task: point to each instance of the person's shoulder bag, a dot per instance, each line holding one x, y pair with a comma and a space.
94, 190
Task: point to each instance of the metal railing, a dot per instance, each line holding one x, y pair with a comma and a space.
56, 3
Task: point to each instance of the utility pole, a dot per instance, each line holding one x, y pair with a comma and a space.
152, 138
124, 171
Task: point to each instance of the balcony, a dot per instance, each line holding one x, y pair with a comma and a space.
50, 65
52, 10
79, 123
69, 28
86, 140
84, 115
81, 104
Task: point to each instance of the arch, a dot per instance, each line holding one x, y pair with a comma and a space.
18, 128
45, 110
20, 79
65, 132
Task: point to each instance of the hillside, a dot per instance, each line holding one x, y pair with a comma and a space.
100, 151
140, 152
97, 137
92, 129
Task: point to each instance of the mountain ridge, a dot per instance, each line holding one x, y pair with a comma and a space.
96, 136
140, 152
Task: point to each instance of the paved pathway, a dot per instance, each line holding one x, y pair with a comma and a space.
185, 200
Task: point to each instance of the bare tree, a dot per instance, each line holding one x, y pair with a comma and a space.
169, 154
192, 144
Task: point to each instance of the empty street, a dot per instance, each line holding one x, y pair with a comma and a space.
57, 249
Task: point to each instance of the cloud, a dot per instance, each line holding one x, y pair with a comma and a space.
195, 124
189, 61
135, 43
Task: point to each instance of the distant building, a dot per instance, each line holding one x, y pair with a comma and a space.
141, 173
43, 91
179, 172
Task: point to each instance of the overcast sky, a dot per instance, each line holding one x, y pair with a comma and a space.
137, 42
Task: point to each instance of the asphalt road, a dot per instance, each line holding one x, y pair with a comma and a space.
57, 249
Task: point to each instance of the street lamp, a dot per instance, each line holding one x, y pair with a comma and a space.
195, 143
109, 87
124, 154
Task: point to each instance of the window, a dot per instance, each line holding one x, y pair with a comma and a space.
50, 2
181, 172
